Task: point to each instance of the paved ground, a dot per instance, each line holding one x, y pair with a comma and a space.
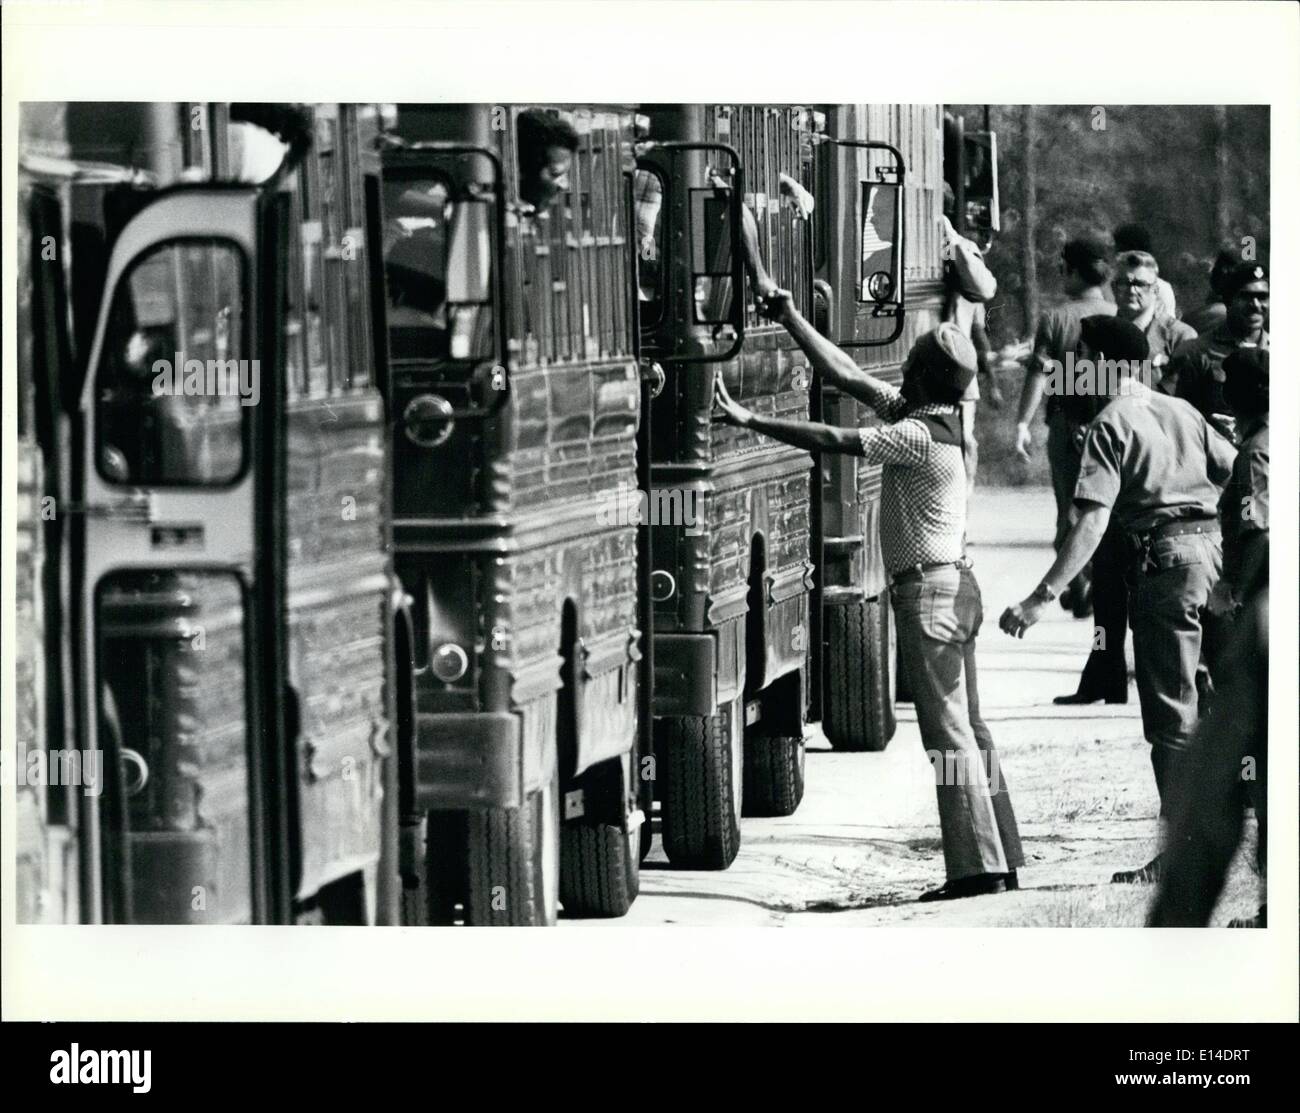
865, 841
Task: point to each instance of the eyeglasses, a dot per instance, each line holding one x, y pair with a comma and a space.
1132, 284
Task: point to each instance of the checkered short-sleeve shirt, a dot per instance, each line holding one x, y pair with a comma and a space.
923, 486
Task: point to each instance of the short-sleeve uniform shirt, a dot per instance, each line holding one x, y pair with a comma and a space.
1153, 459
1196, 372
1243, 510
1058, 334
922, 486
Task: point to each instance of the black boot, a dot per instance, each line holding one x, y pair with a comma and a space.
982, 884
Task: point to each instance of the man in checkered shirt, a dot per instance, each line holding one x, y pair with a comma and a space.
935, 596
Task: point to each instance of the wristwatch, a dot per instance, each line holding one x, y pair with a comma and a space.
1043, 593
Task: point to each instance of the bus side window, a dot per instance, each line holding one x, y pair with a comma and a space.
355, 265
416, 248
332, 200
173, 386
295, 335
648, 197
313, 279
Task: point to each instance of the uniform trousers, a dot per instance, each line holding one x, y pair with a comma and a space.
1106, 673
938, 616
1063, 460
1167, 590
1226, 769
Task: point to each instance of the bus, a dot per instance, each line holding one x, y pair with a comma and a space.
379, 557
205, 584
881, 171
734, 615
515, 393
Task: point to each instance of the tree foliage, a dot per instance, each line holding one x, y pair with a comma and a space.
1194, 175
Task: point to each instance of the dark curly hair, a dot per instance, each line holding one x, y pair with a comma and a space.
538, 131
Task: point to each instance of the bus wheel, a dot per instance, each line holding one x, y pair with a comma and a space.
859, 710
774, 778
498, 867
600, 869
702, 766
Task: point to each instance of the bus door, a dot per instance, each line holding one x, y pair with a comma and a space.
179, 658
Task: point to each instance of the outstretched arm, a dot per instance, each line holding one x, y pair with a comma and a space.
810, 435
1076, 550
834, 365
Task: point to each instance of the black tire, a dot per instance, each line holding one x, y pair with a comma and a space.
444, 889
497, 867
600, 870
859, 704
415, 909
701, 759
774, 775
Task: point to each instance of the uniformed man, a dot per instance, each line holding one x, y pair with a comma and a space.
1196, 374
1210, 316
1105, 675
1243, 510
1230, 751
936, 598
1196, 371
1085, 265
1155, 465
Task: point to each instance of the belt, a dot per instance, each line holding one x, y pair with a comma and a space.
1177, 528
914, 571
1140, 545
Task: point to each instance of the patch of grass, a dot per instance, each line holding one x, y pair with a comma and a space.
1099, 906
1107, 905
1069, 804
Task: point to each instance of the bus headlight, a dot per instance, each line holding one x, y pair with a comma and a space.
449, 662
427, 420
662, 585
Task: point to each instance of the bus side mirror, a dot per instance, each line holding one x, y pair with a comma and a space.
880, 246
469, 254
713, 255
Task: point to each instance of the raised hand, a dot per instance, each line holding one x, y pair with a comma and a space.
800, 197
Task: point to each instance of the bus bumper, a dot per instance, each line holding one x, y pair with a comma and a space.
469, 760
